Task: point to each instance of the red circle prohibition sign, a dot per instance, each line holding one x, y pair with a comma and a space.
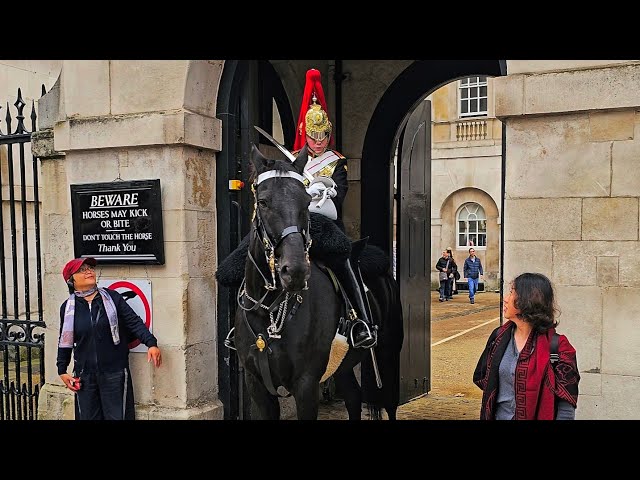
145, 302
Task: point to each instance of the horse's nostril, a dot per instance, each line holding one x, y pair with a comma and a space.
284, 269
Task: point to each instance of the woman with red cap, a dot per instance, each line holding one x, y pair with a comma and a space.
97, 324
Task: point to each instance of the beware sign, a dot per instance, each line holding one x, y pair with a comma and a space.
137, 293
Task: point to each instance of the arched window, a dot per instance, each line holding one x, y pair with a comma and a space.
472, 226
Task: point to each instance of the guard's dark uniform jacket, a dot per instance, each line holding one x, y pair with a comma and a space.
337, 171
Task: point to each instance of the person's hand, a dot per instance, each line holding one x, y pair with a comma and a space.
316, 189
155, 355
72, 383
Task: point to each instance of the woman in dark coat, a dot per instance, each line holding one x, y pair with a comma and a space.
96, 325
453, 288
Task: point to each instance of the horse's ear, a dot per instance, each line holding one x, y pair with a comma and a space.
260, 162
301, 159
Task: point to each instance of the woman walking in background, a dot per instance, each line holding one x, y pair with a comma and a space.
453, 289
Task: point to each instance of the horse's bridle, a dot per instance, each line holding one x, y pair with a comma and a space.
269, 246
267, 241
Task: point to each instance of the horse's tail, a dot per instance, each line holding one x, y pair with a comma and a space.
387, 312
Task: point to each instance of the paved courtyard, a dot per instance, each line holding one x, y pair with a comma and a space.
459, 332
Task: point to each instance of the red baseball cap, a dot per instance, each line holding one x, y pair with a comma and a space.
74, 265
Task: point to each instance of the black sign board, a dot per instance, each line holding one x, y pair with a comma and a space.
118, 222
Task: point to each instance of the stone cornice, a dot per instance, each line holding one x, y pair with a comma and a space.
572, 91
42, 145
155, 128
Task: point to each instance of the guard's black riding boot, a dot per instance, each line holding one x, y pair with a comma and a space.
363, 334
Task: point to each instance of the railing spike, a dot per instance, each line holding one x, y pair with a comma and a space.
7, 119
20, 116
44, 91
33, 115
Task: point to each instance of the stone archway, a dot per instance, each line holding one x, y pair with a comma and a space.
416, 82
490, 256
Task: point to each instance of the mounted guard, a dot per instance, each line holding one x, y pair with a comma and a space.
325, 176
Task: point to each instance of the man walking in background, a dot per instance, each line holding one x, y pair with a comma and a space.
472, 271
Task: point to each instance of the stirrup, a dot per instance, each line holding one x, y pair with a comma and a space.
229, 340
369, 341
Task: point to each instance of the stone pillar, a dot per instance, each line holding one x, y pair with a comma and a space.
136, 120
572, 211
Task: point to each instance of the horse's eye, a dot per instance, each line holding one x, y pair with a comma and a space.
262, 203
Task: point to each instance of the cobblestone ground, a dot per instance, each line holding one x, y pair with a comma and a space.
453, 395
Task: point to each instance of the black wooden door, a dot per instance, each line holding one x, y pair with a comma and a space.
414, 251
249, 89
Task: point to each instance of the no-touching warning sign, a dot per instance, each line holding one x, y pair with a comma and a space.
137, 293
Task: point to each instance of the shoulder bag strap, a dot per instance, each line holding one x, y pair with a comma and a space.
553, 350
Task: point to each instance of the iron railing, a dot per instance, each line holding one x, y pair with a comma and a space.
21, 325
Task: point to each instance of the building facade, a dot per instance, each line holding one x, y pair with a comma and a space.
571, 206
466, 175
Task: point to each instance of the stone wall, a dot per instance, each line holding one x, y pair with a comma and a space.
132, 121
572, 212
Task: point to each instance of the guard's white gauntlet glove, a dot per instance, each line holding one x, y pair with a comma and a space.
321, 190
316, 189
331, 192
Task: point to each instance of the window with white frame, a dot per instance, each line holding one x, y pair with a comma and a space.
473, 97
472, 226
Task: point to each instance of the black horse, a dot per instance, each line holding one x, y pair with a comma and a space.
290, 310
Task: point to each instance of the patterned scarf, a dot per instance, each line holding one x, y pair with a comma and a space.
539, 383
66, 338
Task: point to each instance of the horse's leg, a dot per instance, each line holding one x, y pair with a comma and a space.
265, 405
348, 386
307, 395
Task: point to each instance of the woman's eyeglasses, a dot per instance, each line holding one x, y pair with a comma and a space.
86, 268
